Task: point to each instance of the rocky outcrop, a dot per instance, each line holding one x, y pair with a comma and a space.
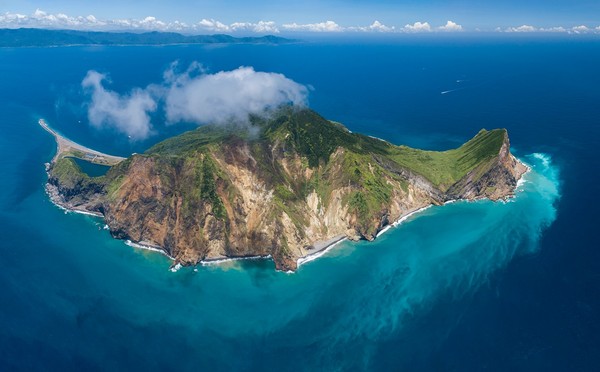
494, 179
239, 196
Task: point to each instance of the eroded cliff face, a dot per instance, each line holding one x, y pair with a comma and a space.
242, 198
495, 179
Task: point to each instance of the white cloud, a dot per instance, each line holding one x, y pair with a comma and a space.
228, 95
191, 96
417, 27
553, 29
523, 28
41, 19
450, 27
259, 27
582, 29
213, 25
151, 23
376, 26
328, 26
12, 19
128, 114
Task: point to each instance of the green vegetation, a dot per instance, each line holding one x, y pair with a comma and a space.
196, 140
358, 203
208, 189
292, 153
69, 176
444, 168
113, 187
68, 173
365, 163
316, 138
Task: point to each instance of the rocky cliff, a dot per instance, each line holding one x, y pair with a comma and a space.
278, 187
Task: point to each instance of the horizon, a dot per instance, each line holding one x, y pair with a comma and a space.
355, 18
308, 36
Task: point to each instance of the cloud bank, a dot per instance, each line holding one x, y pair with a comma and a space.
42, 19
328, 26
581, 29
128, 114
256, 27
191, 96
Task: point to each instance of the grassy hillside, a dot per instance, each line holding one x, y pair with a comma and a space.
315, 138
444, 168
364, 164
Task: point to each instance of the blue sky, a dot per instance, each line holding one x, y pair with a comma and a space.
350, 15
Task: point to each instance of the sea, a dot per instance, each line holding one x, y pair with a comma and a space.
467, 286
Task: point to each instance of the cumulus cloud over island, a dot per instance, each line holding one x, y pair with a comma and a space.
191, 96
229, 95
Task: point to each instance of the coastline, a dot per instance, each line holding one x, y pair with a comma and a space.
220, 260
320, 248
54, 196
330, 244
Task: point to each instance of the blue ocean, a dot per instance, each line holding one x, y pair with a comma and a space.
467, 286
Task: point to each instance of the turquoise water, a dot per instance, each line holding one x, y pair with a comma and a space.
452, 288
112, 295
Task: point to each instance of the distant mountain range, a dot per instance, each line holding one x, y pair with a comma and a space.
33, 37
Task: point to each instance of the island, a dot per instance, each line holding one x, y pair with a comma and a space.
284, 186
36, 37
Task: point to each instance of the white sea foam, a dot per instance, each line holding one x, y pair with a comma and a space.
67, 210
377, 138
85, 213
147, 247
314, 256
543, 157
404, 218
523, 180
219, 261
383, 230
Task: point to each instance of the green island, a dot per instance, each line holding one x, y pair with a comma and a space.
284, 186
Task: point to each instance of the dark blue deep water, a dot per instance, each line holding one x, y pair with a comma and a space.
467, 286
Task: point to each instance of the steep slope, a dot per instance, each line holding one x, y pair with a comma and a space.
279, 186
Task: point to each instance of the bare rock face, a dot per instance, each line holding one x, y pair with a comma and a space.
495, 179
277, 194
